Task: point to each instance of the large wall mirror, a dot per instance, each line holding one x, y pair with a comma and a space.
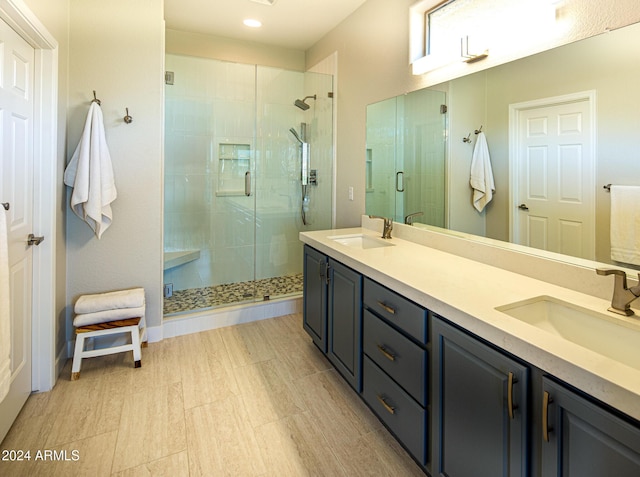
560, 126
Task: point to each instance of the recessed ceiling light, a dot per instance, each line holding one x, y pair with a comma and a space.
250, 22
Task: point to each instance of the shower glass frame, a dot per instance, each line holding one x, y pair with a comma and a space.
225, 120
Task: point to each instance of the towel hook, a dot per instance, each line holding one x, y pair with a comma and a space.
96, 100
467, 139
478, 131
6, 205
128, 119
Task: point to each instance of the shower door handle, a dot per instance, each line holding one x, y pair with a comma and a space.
398, 175
247, 183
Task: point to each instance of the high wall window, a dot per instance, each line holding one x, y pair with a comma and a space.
464, 30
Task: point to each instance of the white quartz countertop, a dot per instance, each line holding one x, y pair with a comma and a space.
467, 292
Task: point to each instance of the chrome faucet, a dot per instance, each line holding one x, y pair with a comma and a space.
622, 296
408, 219
387, 226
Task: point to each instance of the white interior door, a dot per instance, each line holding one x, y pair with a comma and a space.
555, 193
16, 188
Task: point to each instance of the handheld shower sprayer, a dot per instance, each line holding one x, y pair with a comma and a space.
300, 103
295, 134
304, 168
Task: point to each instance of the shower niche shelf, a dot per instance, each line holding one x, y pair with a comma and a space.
234, 161
179, 257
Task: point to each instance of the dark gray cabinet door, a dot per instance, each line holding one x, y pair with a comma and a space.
480, 408
581, 439
315, 296
345, 322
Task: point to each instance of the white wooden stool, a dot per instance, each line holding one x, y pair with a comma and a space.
134, 326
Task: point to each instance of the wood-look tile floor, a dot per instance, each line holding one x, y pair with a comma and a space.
256, 399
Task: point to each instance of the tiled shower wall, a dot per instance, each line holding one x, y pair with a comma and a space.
241, 238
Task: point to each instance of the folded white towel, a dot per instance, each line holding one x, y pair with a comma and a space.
5, 309
131, 298
90, 173
625, 224
481, 179
85, 319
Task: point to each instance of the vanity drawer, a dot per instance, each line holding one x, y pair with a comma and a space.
397, 355
402, 415
403, 313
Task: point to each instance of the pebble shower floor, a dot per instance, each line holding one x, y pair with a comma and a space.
219, 295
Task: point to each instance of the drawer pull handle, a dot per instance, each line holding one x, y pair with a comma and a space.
386, 353
390, 409
510, 406
546, 400
387, 308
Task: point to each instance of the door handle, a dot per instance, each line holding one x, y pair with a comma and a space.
523, 207
387, 308
33, 240
546, 400
327, 272
247, 183
390, 409
398, 175
386, 353
510, 406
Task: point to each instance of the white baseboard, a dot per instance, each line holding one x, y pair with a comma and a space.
61, 360
208, 320
219, 318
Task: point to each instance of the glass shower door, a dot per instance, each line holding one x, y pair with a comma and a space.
209, 184
284, 206
405, 158
422, 157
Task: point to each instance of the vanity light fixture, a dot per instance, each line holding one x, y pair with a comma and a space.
252, 23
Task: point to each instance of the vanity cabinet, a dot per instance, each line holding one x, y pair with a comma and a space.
314, 296
395, 365
461, 406
582, 439
480, 407
332, 312
344, 344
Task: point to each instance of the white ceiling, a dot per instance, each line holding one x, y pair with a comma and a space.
296, 24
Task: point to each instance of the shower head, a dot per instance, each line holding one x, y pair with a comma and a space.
295, 133
301, 102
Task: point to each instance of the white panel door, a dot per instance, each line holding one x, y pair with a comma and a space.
16, 188
555, 192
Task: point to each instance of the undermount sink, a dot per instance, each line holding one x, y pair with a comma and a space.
360, 241
609, 336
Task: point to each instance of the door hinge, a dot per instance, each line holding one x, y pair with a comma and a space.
443, 109
168, 290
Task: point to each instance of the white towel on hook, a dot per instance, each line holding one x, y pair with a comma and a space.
625, 224
481, 174
90, 173
5, 309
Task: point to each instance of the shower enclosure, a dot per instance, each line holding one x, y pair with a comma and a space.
235, 193
405, 157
